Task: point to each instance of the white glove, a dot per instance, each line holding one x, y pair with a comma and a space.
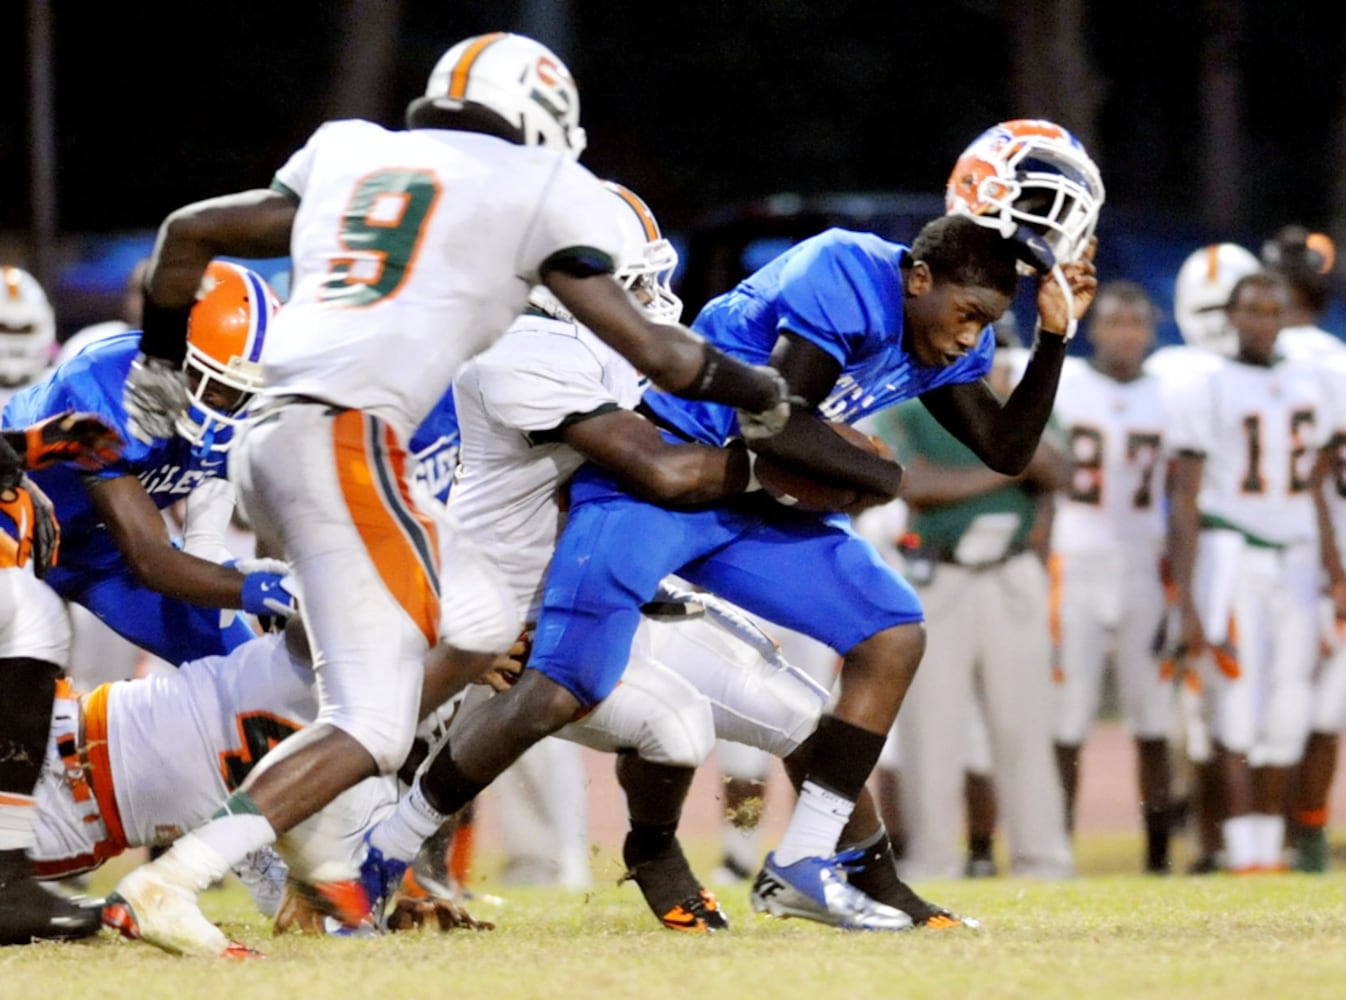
154, 396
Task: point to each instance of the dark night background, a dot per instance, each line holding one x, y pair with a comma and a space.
698, 104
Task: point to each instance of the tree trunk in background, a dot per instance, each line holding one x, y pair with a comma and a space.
42, 145
1220, 121
365, 57
1050, 76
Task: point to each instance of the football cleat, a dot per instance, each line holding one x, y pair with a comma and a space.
816, 889
381, 877
672, 890
697, 914
148, 907
28, 912
345, 902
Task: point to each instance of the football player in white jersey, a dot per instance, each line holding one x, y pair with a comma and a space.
531, 409
137, 763
1107, 541
1247, 557
1200, 294
1306, 259
34, 643
413, 250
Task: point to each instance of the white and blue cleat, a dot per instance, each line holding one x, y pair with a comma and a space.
816, 889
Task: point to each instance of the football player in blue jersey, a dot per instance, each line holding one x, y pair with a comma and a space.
854, 323
117, 557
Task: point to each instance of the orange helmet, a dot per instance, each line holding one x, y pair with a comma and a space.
1031, 181
226, 332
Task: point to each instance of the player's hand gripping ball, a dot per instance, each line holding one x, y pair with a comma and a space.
796, 489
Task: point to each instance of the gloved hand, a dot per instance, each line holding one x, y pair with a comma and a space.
769, 422
270, 591
154, 397
37, 533
82, 438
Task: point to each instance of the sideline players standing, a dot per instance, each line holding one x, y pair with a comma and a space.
1107, 543
1306, 260
1246, 560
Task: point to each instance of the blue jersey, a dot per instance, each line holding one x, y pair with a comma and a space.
91, 569
434, 448
842, 291
92, 382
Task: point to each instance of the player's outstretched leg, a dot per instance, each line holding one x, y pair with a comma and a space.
806, 876
874, 869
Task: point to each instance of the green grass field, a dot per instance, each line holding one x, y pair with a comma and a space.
1098, 936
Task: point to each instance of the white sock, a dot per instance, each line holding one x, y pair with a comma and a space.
815, 826
208, 853
1270, 839
18, 822
413, 821
1240, 842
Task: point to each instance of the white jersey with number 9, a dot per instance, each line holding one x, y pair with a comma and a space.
413, 250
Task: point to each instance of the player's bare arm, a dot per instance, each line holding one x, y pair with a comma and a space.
671, 355
252, 223
1325, 469
806, 443
631, 448
1005, 436
1184, 484
140, 533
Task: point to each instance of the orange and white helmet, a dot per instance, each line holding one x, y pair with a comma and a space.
27, 327
1201, 292
519, 79
1031, 181
647, 260
644, 266
226, 332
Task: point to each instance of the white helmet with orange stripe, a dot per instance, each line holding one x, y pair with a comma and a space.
517, 78
27, 327
226, 332
1201, 292
644, 266
647, 262
1031, 181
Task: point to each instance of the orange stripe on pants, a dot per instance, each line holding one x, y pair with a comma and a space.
399, 539
100, 770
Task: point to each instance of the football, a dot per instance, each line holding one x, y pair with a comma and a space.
796, 489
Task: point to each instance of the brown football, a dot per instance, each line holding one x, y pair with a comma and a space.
796, 489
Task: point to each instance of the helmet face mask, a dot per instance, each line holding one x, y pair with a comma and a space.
647, 261
516, 78
225, 335
1032, 182
27, 327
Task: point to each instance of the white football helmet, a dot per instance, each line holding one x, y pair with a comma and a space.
27, 327
1031, 181
521, 80
645, 263
1201, 292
